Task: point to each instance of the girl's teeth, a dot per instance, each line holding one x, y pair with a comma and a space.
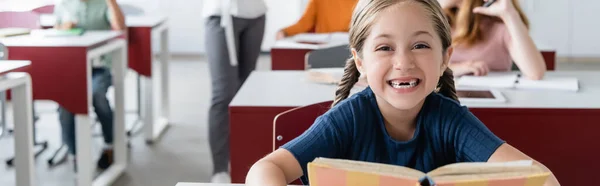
412, 83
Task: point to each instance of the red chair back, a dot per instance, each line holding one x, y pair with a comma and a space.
48, 9
27, 19
290, 124
550, 59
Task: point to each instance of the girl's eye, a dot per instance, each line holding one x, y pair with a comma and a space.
384, 48
420, 46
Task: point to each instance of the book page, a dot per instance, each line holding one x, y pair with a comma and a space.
331, 76
7, 32
505, 177
368, 167
549, 83
492, 80
482, 168
310, 38
325, 75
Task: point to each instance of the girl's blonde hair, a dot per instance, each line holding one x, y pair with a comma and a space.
466, 23
363, 18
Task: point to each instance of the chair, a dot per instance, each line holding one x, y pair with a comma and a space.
48, 9
290, 124
20, 19
549, 57
328, 58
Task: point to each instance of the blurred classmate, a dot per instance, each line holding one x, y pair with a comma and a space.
408, 116
91, 15
233, 36
322, 16
491, 38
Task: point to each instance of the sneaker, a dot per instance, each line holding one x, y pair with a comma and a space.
221, 177
106, 159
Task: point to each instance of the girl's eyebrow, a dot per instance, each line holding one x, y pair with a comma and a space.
420, 32
417, 33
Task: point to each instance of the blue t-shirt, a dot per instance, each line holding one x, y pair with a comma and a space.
446, 133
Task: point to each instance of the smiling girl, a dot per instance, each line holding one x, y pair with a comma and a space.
408, 116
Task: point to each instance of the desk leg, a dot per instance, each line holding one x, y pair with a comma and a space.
156, 95
23, 133
83, 134
164, 64
110, 175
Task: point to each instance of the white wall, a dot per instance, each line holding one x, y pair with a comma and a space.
569, 26
187, 25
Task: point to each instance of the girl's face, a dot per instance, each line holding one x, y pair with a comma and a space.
402, 56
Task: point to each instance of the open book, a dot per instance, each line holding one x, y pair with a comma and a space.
326, 172
514, 81
8, 32
312, 38
330, 76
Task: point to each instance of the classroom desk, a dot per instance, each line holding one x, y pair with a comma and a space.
61, 71
286, 54
556, 128
154, 91
20, 84
154, 80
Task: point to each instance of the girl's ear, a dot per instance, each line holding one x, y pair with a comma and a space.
357, 61
446, 60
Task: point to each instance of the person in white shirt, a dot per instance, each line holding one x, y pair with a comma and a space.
233, 34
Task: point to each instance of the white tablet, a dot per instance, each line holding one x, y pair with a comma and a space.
480, 95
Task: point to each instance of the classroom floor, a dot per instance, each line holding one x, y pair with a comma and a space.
181, 155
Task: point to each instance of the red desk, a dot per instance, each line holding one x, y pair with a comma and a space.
154, 80
154, 74
536, 122
61, 71
286, 54
20, 84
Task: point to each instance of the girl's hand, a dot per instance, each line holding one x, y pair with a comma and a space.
501, 8
476, 68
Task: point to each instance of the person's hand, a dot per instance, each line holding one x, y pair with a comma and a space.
476, 68
280, 35
449, 3
66, 25
500, 8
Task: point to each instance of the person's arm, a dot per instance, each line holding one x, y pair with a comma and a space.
476, 68
508, 153
59, 23
278, 168
305, 24
325, 138
116, 17
520, 46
